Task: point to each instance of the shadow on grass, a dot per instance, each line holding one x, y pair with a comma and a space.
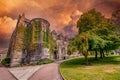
115, 60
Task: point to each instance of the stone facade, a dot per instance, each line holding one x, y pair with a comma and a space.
62, 44
3, 54
45, 53
26, 43
29, 42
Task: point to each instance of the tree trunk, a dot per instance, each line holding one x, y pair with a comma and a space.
96, 55
86, 59
103, 54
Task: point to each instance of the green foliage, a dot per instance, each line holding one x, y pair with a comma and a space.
19, 40
45, 39
49, 42
21, 29
28, 35
33, 35
95, 42
6, 61
89, 20
82, 42
21, 34
96, 33
45, 61
45, 35
102, 33
36, 31
71, 47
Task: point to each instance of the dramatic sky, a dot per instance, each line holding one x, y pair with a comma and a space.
62, 14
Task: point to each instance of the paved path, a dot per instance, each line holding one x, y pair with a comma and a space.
5, 74
40, 72
23, 73
48, 72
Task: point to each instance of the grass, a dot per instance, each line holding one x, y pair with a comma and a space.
106, 69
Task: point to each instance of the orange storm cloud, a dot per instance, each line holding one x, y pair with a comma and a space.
7, 25
62, 14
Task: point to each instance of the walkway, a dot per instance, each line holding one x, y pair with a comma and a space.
5, 74
23, 73
48, 72
39, 72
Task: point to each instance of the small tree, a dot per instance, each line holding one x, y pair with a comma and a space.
83, 45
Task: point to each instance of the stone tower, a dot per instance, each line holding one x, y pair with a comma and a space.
26, 41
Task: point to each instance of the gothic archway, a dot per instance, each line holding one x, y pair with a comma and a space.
63, 53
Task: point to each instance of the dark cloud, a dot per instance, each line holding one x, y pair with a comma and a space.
4, 41
70, 29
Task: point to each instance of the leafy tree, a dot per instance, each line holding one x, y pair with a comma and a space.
96, 43
83, 45
71, 47
96, 33
90, 20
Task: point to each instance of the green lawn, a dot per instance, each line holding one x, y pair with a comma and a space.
106, 69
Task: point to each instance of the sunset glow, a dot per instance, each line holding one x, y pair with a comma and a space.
62, 14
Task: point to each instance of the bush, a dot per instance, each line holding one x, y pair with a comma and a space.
45, 61
6, 61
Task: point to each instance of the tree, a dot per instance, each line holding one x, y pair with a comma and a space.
89, 22
100, 31
96, 34
95, 43
82, 44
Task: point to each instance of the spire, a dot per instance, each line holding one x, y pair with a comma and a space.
23, 14
21, 19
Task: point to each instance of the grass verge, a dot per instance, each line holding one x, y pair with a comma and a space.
103, 69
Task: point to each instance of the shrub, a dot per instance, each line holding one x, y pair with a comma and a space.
45, 61
6, 61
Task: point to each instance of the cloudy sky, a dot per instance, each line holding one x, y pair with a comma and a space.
62, 14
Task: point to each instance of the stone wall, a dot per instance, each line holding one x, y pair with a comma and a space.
62, 44
26, 42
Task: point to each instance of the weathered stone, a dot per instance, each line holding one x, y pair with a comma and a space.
26, 41
62, 44
29, 42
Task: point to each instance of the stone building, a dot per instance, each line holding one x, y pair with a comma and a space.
32, 41
3, 54
62, 44
26, 43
